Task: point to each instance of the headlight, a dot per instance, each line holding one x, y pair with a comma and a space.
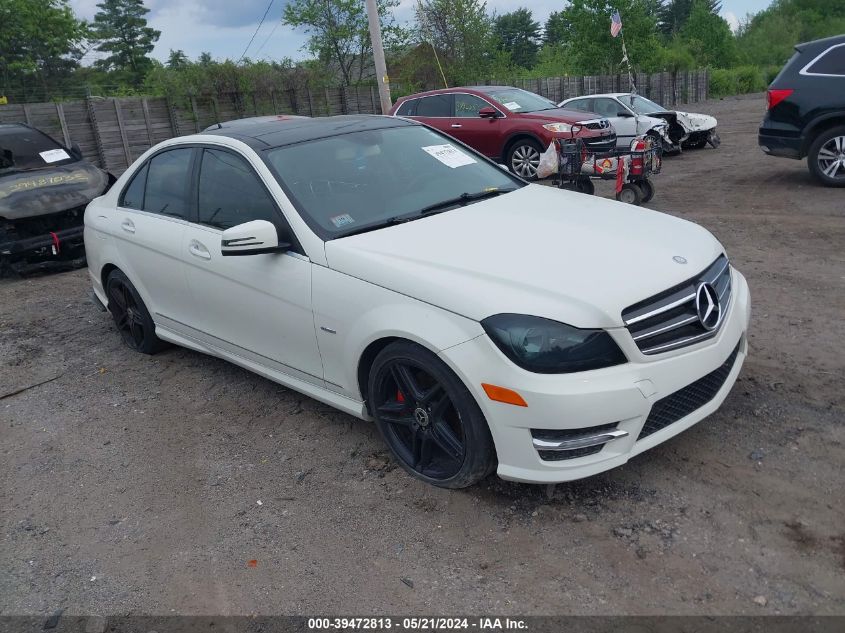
548, 347
558, 127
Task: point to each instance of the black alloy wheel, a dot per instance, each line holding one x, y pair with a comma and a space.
130, 315
428, 418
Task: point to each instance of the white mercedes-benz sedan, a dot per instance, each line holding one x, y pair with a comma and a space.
381, 267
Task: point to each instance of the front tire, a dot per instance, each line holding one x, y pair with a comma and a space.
630, 194
524, 158
428, 418
826, 158
131, 316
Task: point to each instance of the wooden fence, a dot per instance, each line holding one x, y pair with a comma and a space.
113, 132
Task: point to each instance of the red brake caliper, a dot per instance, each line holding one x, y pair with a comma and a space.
399, 396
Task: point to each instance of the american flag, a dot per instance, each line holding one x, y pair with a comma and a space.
615, 24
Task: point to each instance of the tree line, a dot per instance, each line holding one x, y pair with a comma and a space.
46, 51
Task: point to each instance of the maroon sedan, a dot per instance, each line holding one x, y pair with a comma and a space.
505, 124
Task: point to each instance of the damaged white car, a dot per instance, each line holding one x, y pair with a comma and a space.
634, 115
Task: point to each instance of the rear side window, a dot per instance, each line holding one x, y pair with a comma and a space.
408, 108
168, 183
435, 106
578, 104
133, 195
831, 62
230, 193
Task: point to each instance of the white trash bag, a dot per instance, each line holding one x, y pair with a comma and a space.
548, 162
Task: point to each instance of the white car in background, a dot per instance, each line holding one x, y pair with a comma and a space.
634, 115
383, 268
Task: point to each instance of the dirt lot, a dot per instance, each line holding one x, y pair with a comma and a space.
142, 485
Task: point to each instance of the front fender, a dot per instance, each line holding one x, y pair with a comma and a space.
350, 314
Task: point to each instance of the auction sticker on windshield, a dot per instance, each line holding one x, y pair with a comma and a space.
449, 155
54, 155
513, 106
342, 220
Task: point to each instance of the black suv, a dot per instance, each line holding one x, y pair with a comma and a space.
806, 110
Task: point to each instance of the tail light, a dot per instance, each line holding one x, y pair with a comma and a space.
775, 95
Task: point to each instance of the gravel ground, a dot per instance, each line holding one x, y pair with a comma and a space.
183, 484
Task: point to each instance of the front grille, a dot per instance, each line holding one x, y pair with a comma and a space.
599, 124
670, 320
686, 400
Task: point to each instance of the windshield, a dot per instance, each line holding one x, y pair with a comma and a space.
31, 149
518, 100
641, 105
372, 178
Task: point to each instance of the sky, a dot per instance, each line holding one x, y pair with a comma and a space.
224, 28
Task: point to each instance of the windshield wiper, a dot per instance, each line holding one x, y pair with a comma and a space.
378, 225
463, 199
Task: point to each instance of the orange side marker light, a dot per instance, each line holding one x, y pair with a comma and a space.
501, 394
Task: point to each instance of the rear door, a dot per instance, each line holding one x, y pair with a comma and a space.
255, 306
483, 135
148, 226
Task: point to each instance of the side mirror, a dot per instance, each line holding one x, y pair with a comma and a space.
251, 238
624, 114
76, 150
488, 113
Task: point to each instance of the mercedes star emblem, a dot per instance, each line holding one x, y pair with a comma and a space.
707, 306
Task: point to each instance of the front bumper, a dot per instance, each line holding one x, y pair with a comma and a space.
620, 397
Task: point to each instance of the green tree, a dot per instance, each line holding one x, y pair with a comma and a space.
768, 38
673, 14
177, 59
555, 31
205, 59
339, 33
462, 31
518, 34
583, 29
708, 37
40, 43
121, 30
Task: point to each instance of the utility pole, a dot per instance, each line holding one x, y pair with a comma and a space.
378, 55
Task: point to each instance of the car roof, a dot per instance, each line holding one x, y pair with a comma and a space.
820, 44
470, 89
275, 132
603, 94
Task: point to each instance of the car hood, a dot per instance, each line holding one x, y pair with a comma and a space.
690, 121
558, 254
35, 192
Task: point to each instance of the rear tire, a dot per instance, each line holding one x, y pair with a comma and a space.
131, 316
826, 157
585, 185
428, 418
647, 188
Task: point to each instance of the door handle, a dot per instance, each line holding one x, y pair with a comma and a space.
456, 125
198, 250
128, 226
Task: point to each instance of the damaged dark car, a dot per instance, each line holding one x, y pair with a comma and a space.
44, 189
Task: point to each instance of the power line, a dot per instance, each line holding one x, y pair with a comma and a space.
264, 17
275, 26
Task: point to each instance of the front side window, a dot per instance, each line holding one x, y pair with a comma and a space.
831, 63
606, 107
230, 193
468, 106
168, 183
435, 106
363, 179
